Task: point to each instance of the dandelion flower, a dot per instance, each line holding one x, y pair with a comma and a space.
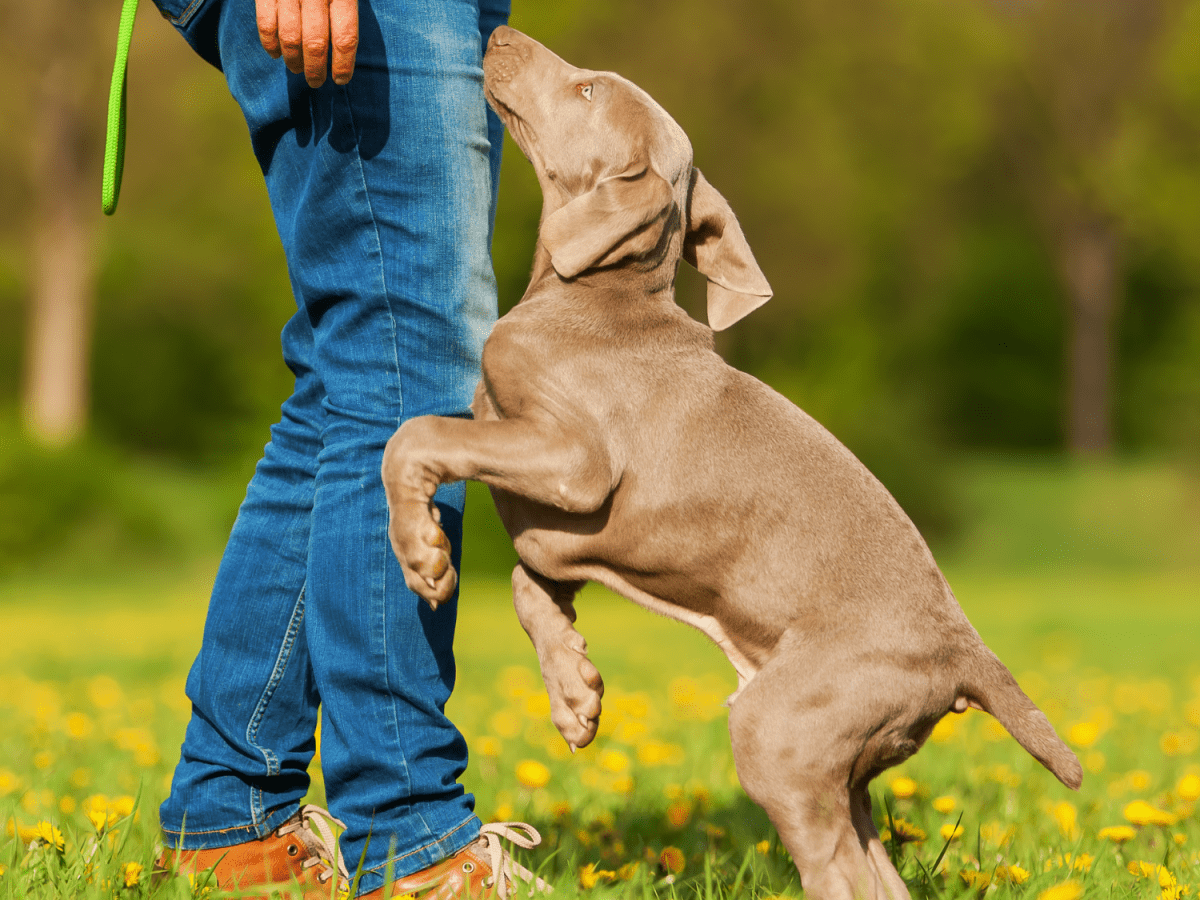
1188, 788
762, 847
46, 833
1068, 890
906, 832
678, 813
1118, 834
132, 872
628, 871
1083, 734
1138, 779
78, 726
1139, 812
975, 879
1066, 816
532, 774
950, 832
672, 860
945, 805
903, 787
8, 782
3, 869
590, 876
1011, 875
1179, 838
614, 761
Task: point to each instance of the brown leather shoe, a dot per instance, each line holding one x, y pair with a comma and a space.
472, 871
298, 859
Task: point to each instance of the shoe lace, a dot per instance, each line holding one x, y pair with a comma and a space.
314, 826
505, 870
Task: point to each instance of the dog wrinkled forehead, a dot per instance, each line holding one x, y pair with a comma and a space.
552, 107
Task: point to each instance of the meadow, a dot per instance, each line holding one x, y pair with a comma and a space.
1084, 579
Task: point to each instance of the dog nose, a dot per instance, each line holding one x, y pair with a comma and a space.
502, 36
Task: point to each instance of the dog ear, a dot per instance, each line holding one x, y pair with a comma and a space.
715, 245
622, 216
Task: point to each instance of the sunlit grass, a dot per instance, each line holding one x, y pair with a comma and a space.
92, 712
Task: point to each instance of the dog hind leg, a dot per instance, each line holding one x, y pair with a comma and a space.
794, 747
546, 610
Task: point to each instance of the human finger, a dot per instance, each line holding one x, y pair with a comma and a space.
343, 31
266, 12
291, 37
314, 16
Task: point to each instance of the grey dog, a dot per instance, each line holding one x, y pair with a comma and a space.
620, 448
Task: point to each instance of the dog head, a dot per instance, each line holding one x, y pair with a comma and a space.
616, 174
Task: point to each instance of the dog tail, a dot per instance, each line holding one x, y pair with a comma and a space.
991, 687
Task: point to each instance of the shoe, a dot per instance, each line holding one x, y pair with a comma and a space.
481, 869
298, 859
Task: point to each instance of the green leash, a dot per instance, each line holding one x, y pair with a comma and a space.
114, 137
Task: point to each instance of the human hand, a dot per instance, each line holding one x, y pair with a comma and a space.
303, 31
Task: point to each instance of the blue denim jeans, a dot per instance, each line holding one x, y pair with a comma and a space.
383, 192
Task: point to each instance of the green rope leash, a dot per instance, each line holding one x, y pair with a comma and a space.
114, 137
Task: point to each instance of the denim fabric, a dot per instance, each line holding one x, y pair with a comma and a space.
383, 192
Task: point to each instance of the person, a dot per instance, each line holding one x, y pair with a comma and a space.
381, 162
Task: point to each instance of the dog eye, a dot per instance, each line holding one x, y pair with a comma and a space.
585, 90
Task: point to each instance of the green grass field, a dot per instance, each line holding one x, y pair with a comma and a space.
1085, 580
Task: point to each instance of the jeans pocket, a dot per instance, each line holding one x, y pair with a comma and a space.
197, 21
179, 12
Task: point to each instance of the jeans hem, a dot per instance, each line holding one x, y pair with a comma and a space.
185, 838
460, 836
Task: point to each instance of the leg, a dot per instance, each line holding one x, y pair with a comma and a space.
554, 465
382, 193
546, 611
243, 765
798, 732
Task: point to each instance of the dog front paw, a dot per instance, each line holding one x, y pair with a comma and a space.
423, 550
575, 688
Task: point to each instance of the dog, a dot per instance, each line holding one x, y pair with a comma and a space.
620, 448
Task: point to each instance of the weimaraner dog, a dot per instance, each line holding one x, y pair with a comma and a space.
621, 449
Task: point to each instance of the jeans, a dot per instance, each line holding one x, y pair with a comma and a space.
383, 192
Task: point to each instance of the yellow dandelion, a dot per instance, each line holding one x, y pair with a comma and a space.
8, 782
943, 732
1011, 875
975, 879
104, 692
1083, 734
43, 759
1179, 838
46, 833
1139, 812
504, 812
1118, 834
1171, 744
67, 805
950, 832
3, 869
678, 813
1188, 788
590, 876
537, 706
78, 726
628, 871
1068, 890
614, 761
659, 753
763, 847
906, 832
532, 774
945, 804
1065, 815
506, 723
623, 784
672, 860
132, 872
903, 787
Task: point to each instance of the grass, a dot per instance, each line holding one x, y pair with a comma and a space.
1084, 579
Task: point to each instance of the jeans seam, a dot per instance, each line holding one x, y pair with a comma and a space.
281, 662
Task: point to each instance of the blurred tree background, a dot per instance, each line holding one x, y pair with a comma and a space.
981, 222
